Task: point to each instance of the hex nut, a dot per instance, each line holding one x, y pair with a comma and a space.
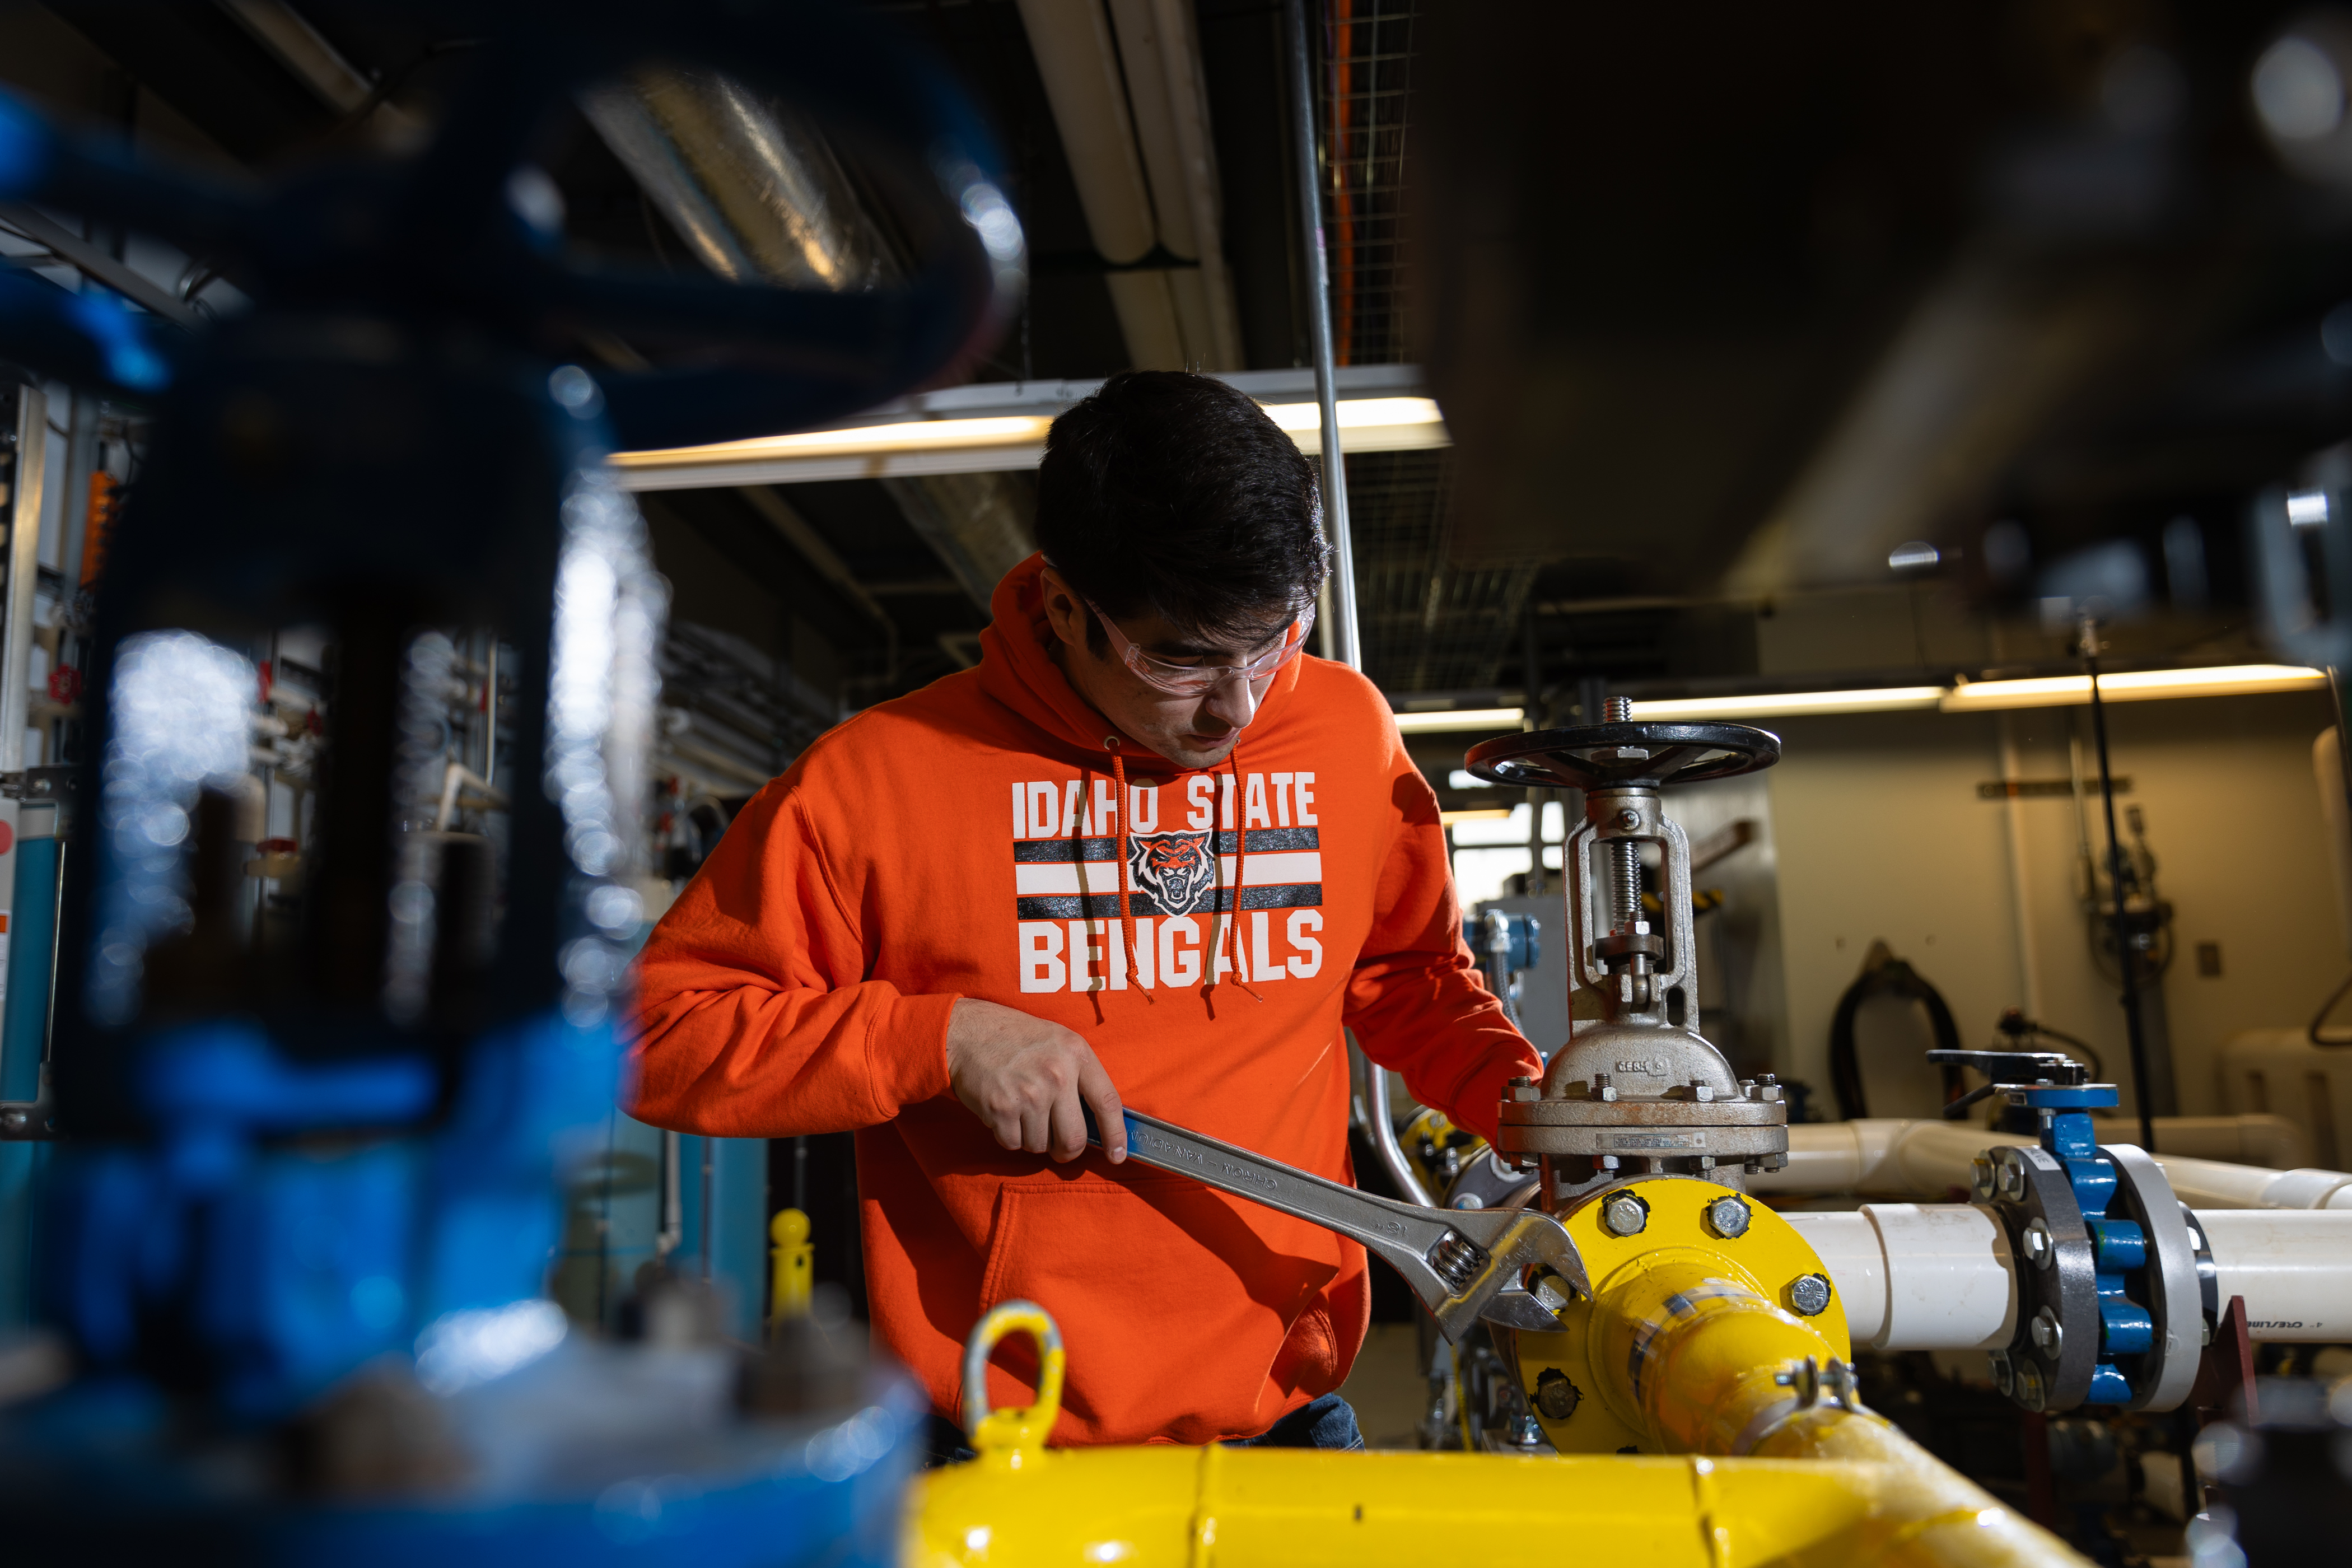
1625, 1213
1556, 1397
1809, 1294
2040, 1246
2008, 1180
1727, 1217
2049, 1333
2004, 1377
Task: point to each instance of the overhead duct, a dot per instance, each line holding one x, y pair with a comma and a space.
1146, 178
758, 194
754, 193
973, 523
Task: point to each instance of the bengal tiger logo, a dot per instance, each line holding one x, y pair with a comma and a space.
1179, 870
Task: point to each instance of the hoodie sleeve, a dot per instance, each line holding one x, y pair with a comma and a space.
754, 1017
1416, 1001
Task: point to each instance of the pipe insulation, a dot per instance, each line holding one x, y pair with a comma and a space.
1920, 1277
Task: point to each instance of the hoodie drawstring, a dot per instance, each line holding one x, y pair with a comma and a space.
1126, 915
1233, 943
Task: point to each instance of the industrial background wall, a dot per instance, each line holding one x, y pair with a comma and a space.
1882, 832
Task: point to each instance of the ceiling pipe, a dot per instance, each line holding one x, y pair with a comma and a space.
1159, 50
1130, 104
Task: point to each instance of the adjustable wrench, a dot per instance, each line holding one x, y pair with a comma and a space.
1464, 1264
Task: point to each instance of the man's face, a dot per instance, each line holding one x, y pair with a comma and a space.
1190, 731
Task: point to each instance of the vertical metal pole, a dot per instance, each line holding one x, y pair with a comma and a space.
2135, 1030
1539, 883
1345, 643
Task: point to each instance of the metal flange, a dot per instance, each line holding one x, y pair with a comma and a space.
2049, 1361
2161, 1377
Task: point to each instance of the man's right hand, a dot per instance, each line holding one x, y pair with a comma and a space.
1025, 1080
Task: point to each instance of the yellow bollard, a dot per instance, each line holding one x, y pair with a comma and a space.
794, 1257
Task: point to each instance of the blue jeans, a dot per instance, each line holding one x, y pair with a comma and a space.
1328, 1422
1325, 1422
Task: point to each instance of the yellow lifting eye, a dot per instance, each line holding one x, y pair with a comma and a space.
1015, 1432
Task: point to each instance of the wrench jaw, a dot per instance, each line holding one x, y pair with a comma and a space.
1493, 1287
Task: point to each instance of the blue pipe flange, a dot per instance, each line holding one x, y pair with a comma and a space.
2167, 1282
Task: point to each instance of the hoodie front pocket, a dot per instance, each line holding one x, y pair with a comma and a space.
1172, 1308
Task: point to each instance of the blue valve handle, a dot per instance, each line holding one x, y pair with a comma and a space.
432, 236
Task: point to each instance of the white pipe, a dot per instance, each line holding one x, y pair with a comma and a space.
2207, 1183
1914, 1277
1159, 48
1934, 1158
2294, 1269
1078, 63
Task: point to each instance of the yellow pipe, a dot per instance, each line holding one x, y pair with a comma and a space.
1681, 1343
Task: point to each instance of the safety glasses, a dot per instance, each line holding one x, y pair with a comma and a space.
1198, 679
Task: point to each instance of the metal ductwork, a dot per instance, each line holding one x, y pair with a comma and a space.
758, 194
754, 192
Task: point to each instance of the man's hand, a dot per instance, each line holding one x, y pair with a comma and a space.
1025, 1079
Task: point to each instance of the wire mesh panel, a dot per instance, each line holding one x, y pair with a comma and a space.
1366, 93
1428, 624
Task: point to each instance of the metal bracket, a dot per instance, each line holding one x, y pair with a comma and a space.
28, 1121
55, 784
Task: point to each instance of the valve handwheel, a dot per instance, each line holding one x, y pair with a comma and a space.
1624, 755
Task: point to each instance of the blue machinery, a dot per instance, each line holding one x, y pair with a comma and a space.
304, 1157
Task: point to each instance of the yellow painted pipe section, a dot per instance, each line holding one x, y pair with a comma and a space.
1641, 1378
1680, 1341
1169, 1507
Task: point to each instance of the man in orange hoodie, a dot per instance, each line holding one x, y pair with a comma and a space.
1147, 852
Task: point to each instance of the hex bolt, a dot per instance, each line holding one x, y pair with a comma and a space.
1980, 1179
2049, 1333
2040, 1246
2029, 1389
1727, 1217
1809, 1294
1625, 1215
2008, 1180
2004, 1377
1555, 1395
1522, 1088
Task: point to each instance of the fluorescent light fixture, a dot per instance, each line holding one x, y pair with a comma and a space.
1481, 814
909, 435
1357, 413
1442, 722
2308, 509
2132, 685
1463, 778
981, 445
1789, 704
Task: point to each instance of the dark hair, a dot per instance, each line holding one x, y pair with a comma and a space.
1174, 493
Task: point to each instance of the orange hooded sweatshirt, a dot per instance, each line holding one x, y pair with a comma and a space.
968, 840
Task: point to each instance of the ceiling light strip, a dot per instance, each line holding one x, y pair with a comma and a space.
980, 446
